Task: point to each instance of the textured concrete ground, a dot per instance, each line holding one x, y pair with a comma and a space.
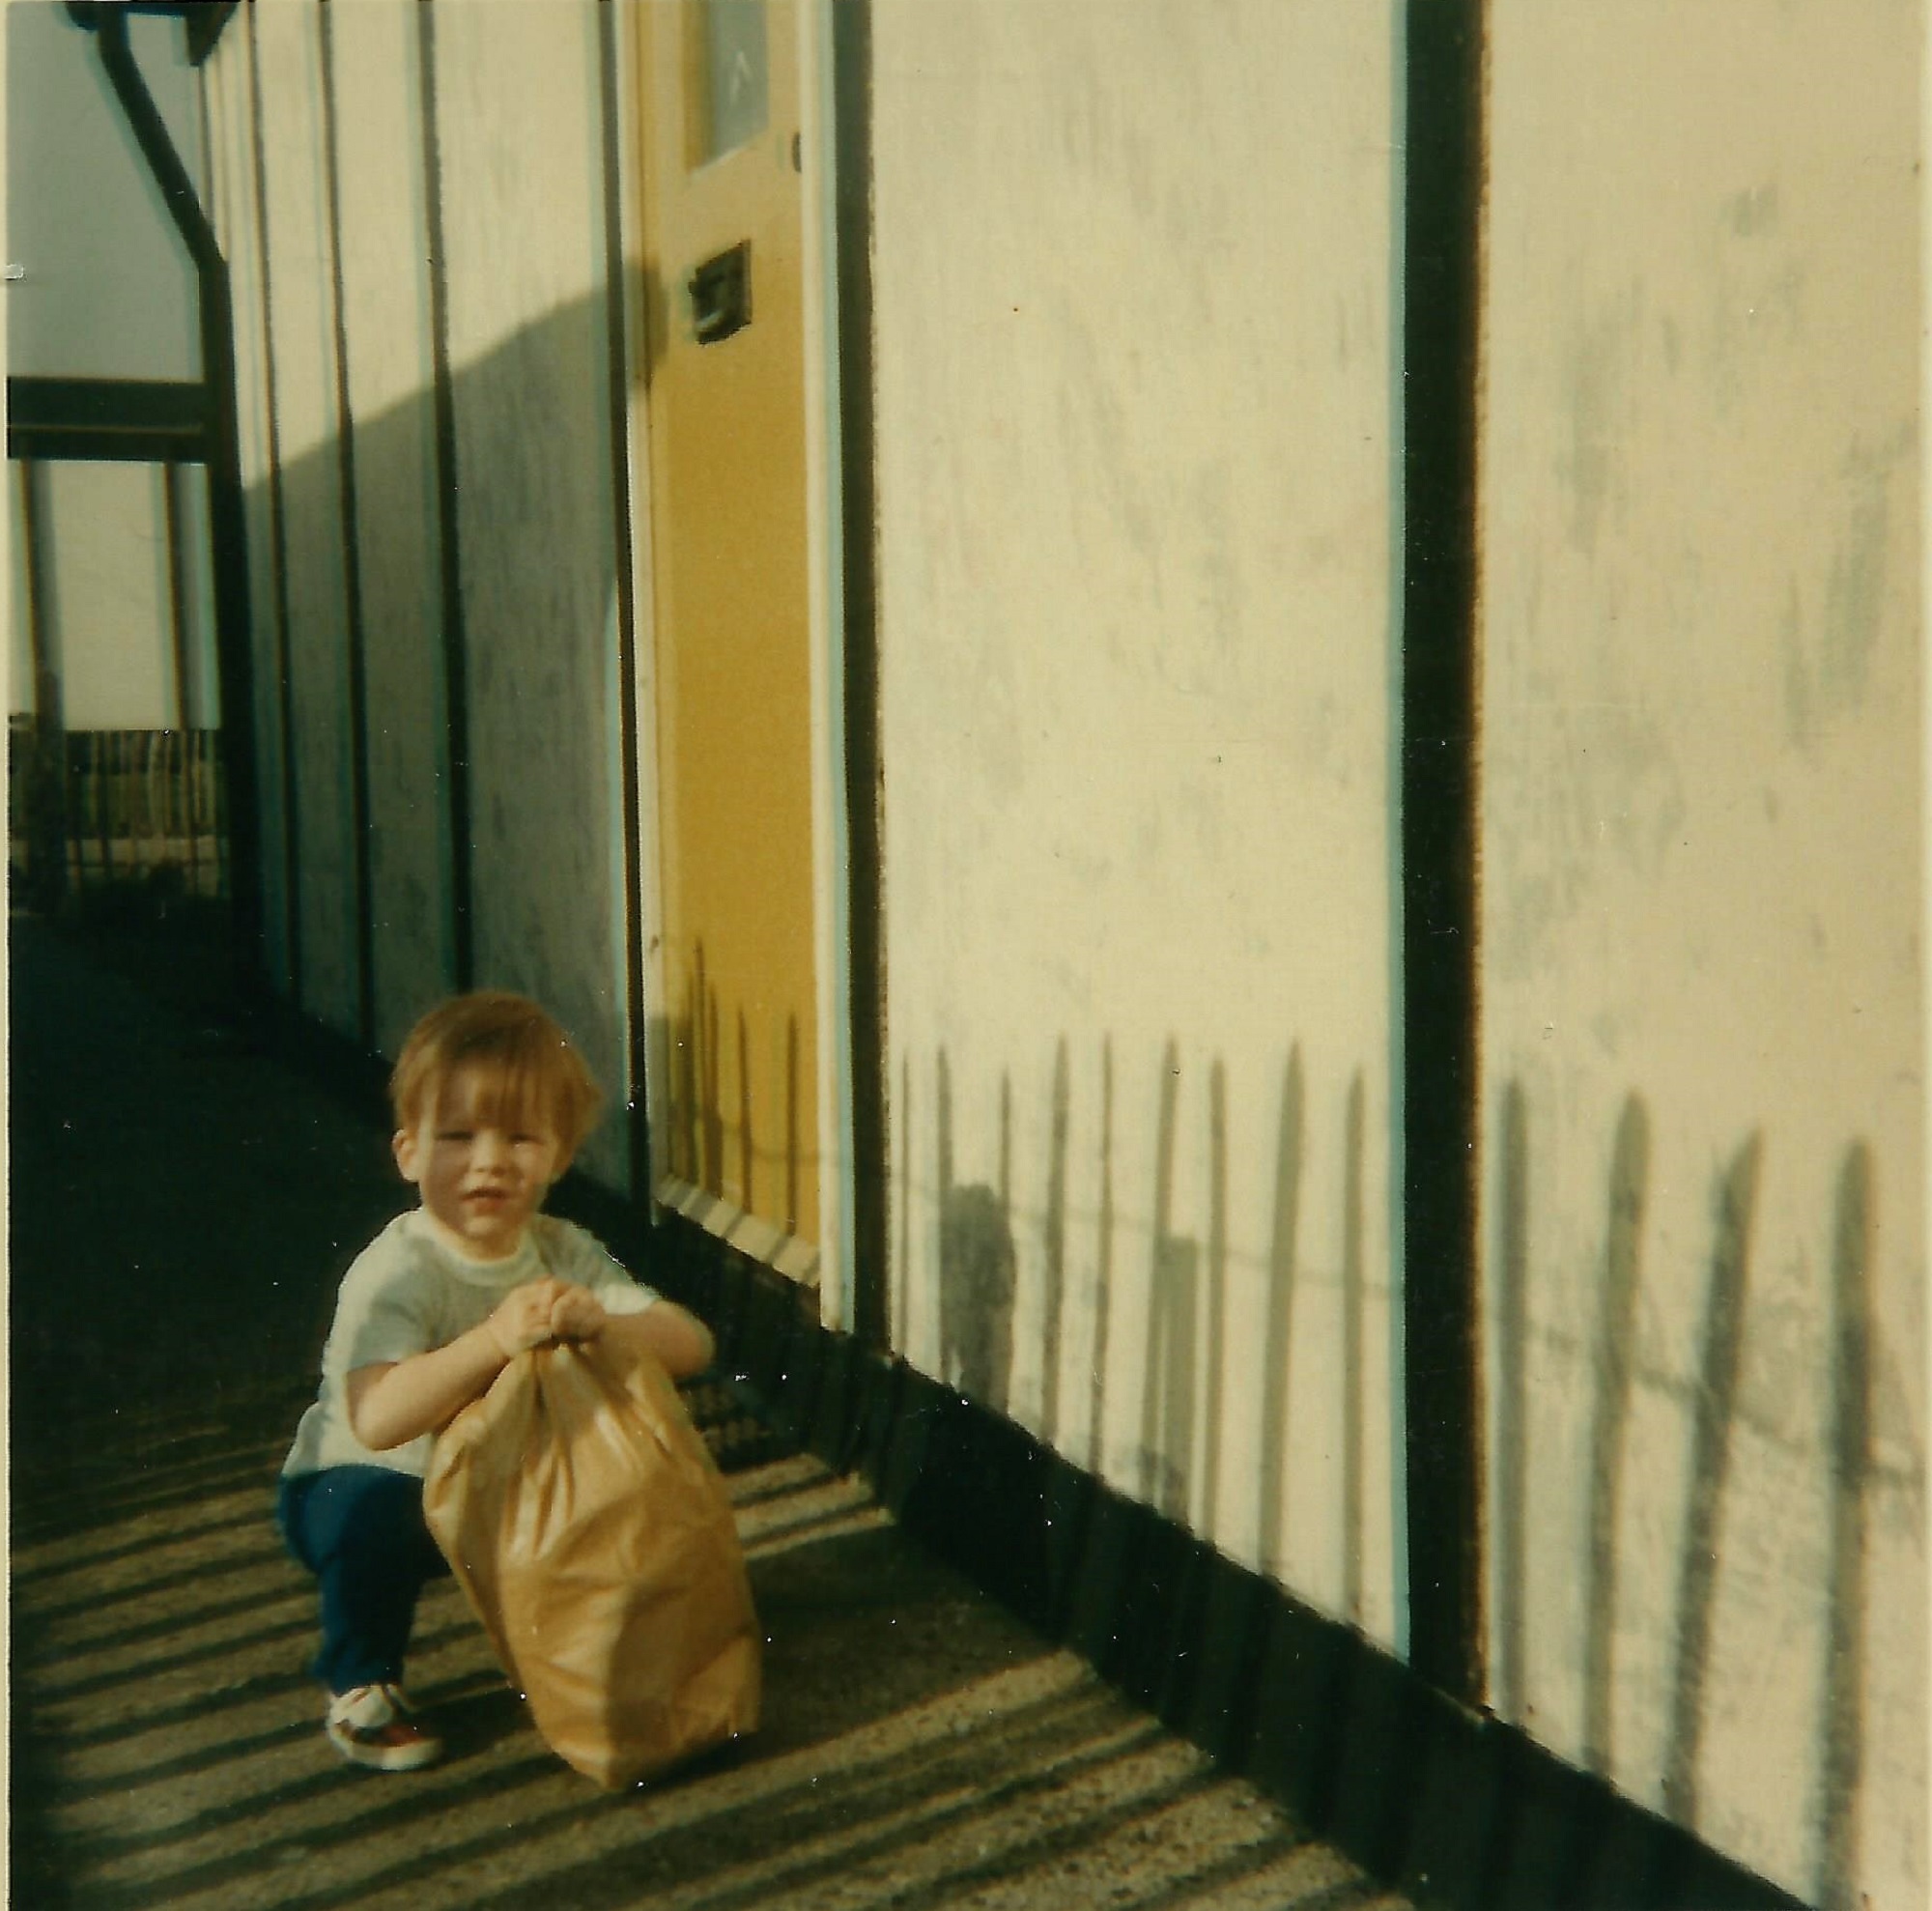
183, 1198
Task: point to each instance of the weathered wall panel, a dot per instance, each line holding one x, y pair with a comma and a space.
304, 397
1702, 856
518, 120
231, 104
1133, 303
387, 319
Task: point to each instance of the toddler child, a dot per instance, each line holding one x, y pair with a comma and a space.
491, 1103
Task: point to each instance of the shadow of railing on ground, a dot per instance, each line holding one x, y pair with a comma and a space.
919, 1744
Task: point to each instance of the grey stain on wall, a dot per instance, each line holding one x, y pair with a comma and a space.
1826, 673
1753, 212
1595, 405
1855, 589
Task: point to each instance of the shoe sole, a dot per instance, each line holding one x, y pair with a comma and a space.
386, 1758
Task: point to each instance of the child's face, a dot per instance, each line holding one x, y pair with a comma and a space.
483, 1168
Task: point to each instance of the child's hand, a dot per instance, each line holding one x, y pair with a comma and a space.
576, 1314
523, 1317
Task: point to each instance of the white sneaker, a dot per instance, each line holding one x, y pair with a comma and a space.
374, 1726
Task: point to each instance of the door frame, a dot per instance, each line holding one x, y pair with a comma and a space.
847, 1267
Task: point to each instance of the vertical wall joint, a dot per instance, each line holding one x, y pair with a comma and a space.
1442, 229
852, 97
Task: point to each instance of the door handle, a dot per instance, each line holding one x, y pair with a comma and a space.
721, 294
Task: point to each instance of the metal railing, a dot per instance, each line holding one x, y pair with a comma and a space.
91, 808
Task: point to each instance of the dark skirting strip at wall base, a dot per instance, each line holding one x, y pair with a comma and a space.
1448, 1804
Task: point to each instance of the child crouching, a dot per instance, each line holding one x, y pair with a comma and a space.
491, 1104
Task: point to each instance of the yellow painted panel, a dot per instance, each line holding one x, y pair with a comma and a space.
729, 560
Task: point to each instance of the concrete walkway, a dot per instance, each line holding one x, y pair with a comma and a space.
184, 1196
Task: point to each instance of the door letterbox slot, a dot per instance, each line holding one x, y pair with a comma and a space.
721, 294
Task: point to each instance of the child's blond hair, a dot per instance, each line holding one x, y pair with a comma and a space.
524, 1061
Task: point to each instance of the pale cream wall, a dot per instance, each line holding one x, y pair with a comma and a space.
104, 542
1702, 864
107, 594
1133, 307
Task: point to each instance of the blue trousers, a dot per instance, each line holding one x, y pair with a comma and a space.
360, 1531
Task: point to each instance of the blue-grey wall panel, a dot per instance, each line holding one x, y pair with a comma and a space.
304, 397
384, 291
518, 103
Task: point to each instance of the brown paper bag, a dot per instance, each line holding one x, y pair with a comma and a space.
586, 1522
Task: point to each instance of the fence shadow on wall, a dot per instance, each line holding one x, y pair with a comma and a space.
1846, 1466
1181, 1402
712, 1139
1283, 1695
1463, 1810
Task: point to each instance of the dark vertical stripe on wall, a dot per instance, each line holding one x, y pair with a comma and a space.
176, 593
1842, 1760
1442, 231
45, 803
455, 646
864, 785
1505, 1524
1715, 1407
1352, 1347
42, 643
1616, 1375
632, 901
352, 556
279, 543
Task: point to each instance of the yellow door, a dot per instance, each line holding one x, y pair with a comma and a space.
726, 426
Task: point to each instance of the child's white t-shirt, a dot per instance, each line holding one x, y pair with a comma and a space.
407, 1292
